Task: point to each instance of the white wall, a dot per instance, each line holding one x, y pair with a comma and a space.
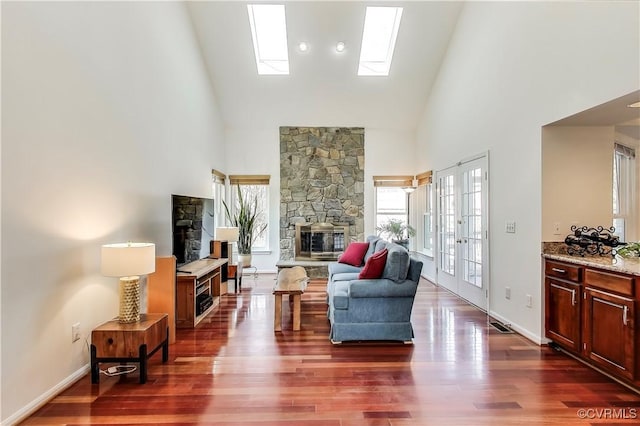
257, 151
107, 110
577, 179
511, 68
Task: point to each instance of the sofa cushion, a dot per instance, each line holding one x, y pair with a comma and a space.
374, 266
372, 240
339, 268
397, 264
380, 245
354, 254
345, 276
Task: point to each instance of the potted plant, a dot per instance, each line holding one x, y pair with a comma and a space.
629, 250
397, 231
245, 218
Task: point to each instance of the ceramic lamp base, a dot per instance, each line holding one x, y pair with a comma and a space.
129, 300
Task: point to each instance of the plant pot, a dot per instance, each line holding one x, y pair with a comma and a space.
245, 259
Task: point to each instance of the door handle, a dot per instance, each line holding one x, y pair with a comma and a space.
573, 297
625, 318
558, 270
459, 241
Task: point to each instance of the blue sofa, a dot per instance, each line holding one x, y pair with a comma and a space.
373, 309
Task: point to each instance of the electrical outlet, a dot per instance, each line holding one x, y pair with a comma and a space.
510, 227
507, 292
75, 332
529, 301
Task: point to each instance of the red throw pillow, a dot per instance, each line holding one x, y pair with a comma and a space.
375, 266
354, 254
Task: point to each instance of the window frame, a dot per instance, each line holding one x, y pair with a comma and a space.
427, 231
259, 182
624, 192
394, 183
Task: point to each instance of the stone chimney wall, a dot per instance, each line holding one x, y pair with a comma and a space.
321, 180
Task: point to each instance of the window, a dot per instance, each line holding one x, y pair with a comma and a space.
218, 180
391, 199
427, 220
381, 26
623, 190
254, 186
269, 32
391, 203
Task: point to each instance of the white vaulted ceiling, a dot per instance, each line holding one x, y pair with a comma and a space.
323, 88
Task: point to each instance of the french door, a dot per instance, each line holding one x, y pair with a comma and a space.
462, 243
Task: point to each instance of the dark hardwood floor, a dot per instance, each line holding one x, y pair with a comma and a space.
234, 370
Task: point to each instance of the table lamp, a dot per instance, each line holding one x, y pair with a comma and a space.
229, 234
128, 261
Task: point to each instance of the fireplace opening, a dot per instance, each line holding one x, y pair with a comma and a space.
320, 241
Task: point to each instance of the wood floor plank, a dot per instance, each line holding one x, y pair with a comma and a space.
233, 369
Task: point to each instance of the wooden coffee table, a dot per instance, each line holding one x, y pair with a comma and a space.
291, 281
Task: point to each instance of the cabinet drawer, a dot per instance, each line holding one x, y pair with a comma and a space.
563, 270
612, 282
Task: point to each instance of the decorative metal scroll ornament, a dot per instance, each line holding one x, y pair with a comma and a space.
592, 241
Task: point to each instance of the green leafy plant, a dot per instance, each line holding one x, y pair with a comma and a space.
396, 230
246, 218
629, 250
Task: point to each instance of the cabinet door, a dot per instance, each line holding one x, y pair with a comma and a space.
562, 313
609, 338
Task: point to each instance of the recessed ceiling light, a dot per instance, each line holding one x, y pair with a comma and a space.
379, 35
303, 46
340, 46
635, 105
269, 33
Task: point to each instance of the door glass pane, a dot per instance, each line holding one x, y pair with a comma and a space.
472, 226
447, 222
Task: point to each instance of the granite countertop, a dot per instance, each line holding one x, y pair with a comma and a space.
628, 265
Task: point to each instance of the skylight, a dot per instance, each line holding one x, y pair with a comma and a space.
269, 32
378, 40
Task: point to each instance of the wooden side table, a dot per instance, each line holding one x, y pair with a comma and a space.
293, 282
232, 273
116, 342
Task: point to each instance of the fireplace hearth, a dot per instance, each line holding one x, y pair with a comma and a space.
320, 241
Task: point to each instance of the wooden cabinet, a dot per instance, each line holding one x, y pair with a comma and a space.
161, 291
563, 309
609, 332
592, 313
198, 290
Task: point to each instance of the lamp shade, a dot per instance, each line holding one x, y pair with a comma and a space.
128, 259
229, 234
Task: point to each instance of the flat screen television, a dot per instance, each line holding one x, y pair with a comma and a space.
192, 227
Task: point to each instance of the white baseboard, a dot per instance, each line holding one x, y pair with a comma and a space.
37, 403
539, 340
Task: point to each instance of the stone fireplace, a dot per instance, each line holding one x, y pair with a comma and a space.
320, 241
321, 185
